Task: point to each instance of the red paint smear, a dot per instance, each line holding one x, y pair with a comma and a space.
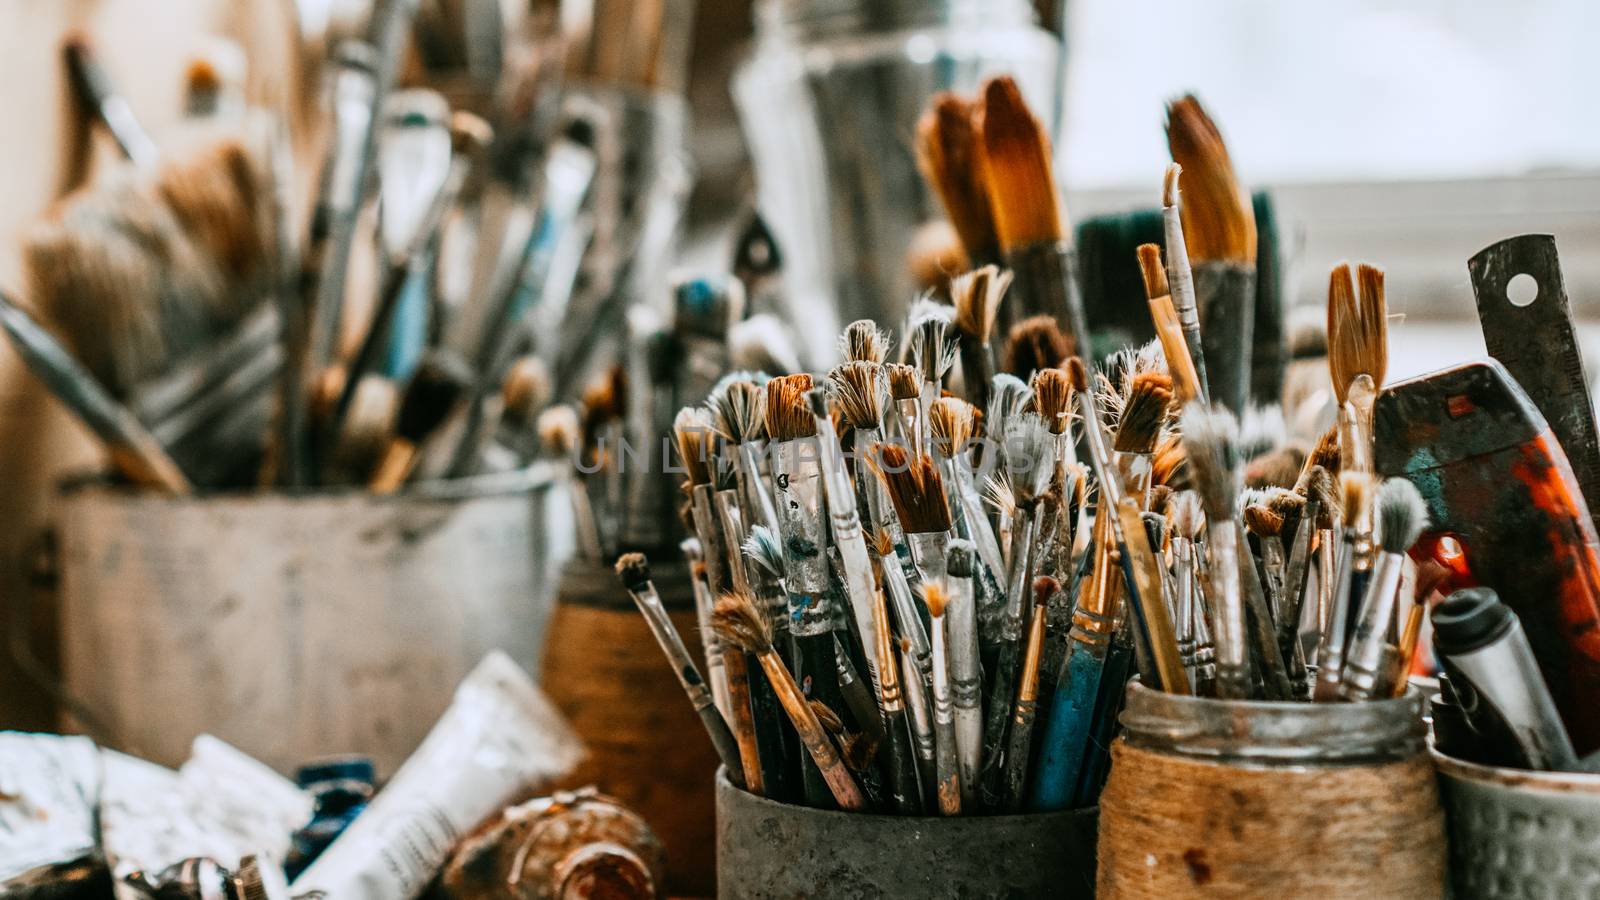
1575, 560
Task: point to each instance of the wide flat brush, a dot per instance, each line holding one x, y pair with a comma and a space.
634, 570
1027, 213
1220, 234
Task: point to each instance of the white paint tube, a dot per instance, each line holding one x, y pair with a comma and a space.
47, 789
499, 738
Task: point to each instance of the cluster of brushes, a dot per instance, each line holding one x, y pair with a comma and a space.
212, 342
924, 585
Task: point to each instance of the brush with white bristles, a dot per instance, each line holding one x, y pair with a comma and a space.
1402, 516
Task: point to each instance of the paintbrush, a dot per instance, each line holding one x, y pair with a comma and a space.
1219, 231
133, 450
1139, 427
1052, 400
949, 152
1355, 500
947, 766
763, 343
916, 656
559, 439
737, 620
1401, 517
741, 422
603, 409
1180, 277
1358, 359
862, 395
933, 352
634, 571
900, 756
1034, 344
1008, 395
1319, 497
917, 492
977, 295
97, 94
1208, 436
905, 389
437, 387
966, 676
691, 431
863, 341
1182, 363
915, 675
951, 423
704, 600
1027, 212
1019, 742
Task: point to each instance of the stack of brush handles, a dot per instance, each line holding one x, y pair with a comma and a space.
210, 346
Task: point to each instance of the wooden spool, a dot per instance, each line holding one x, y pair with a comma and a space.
647, 748
1173, 826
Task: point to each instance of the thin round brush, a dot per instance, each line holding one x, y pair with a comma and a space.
738, 621
947, 766
741, 421
1027, 212
949, 153
1180, 278
97, 94
1219, 230
1182, 363
977, 295
1402, 516
634, 570
691, 431
916, 657
900, 759
441, 381
1355, 495
1019, 742
965, 673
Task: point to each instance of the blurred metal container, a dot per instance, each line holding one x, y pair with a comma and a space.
297, 626
829, 101
1515, 833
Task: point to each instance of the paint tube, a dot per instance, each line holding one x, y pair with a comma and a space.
47, 789
499, 738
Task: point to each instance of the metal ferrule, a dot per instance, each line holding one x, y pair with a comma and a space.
1226, 598
1364, 669
943, 708
914, 425
1180, 281
1043, 284
929, 552
1225, 293
757, 500
798, 478
966, 682
890, 698
905, 609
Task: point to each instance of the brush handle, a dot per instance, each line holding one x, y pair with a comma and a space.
98, 94
860, 698
1114, 678
1296, 574
947, 762
1142, 573
1330, 651
816, 669
849, 540
1020, 741
710, 642
966, 684
748, 474
742, 720
1258, 619
1180, 280
919, 711
841, 784
776, 744
1225, 293
1064, 743
655, 616
1006, 659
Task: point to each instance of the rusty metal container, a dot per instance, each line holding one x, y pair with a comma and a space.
768, 850
1515, 833
296, 626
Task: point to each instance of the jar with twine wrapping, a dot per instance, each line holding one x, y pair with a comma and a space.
1238, 799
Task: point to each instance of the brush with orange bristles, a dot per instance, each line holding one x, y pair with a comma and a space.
1219, 230
949, 148
1028, 218
1183, 360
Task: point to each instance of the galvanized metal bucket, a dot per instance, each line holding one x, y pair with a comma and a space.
1515, 833
296, 626
767, 849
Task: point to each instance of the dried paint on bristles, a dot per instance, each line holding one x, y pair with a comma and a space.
1288, 505
977, 295
959, 558
691, 429
1044, 587
905, 382
1034, 344
1400, 513
634, 570
1052, 399
950, 424
949, 154
915, 488
935, 597
863, 341
788, 417
861, 391
738, 621
1153, 272
1017, 167
1144, 413
1219, 221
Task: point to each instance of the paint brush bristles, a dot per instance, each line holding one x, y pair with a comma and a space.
949, 152
1153, 273
1218, 220
1358, 342
1052, 399
787, 416
737, 406
863, 341
860, 391
915, 488
1144, 413
1033, 344
905, 382
737, 620
634, 570
1401, 517
950, 421
1209, 436
1017, 169
691, 430
977, 295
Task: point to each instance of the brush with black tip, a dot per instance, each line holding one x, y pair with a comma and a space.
977, 295
949, 152
438, 386
1355, 500
97, 94
634, 570
1027, 213
739, 622
1219, 230
1402, 516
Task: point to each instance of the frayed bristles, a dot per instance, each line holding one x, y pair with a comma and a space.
883, 543
1153, 272
949, 154
738, 409
1262, 521
934, 256
1144, 413
1287, 505
977, 296
558, 431
691, 429
915, 489
1400, 513
959, 560
1016, 165
935, 598
763, 548
1324, 453
1052, 399
1044, 587
1008, 394
1279, 468
861, 391
737, 621
950, 424
1322, 488
863, 341
1184, 513
788, 417
1218, 220
1026, 452
1210, 436
605, 399
1170, 465
905, 382
634, 570
1358, 330
933, 347
1034, 343
1355, 494
1160, 496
